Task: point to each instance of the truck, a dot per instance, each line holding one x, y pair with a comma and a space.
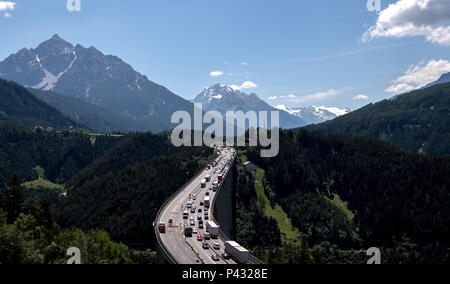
213, 229
206, 202
215, 185
162, 227
237, 252
203, 183
220, 177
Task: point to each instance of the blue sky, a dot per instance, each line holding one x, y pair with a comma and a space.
303, 53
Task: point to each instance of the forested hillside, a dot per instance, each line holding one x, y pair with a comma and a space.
60, 155
123, 189
18, 105
95, 117
29, 235
418, 121
346, 194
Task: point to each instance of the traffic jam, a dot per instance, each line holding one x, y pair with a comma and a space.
196, 213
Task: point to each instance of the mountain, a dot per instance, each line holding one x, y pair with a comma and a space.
445, 78
18, 105
95, 117
344, 194
103, 80
315, 114
223, 98
418, 121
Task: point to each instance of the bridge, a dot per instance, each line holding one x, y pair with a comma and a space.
172, 244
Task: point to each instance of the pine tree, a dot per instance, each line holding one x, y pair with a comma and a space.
14, 198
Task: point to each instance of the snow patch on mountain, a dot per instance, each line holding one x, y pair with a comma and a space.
49, 81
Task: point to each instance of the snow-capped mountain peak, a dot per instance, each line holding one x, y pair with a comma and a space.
219, 91
314, 114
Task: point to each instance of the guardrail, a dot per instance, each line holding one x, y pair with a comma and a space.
222, 235
158, 216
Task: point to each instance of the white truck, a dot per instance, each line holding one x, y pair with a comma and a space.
203, 183
237, 252
215, 185
206, 202
213, 229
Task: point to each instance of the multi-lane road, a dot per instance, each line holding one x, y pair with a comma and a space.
189, 250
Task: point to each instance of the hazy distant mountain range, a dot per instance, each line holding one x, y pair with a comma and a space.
222, 98
315, 114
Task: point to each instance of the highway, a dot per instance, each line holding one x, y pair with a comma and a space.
189, 250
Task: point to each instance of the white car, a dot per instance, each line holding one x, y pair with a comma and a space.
216, 246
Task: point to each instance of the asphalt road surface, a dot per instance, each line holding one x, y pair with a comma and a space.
188, 250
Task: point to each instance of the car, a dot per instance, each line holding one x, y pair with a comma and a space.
199, 217
200, 226
200, 222
199, 237
192, 223
215, 257
207, 236
205, 245
201, 203
226, 256
194, 231
207, 193
206, 217
216, 246
200, 210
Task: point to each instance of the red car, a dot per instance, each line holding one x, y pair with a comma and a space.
199, 237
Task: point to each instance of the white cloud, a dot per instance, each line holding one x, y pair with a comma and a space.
428, 18
314, 97
7, 5
290, 96
418, 76
216, 74
245, 85
273, 98
361, 97
244, 63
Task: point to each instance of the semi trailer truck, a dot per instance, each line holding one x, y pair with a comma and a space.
238, 253
213, 229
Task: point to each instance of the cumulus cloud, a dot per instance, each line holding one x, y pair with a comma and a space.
361, 97
216, 74
245, 85
7, 5
314, 97
273, 98
428, 18
418, 76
